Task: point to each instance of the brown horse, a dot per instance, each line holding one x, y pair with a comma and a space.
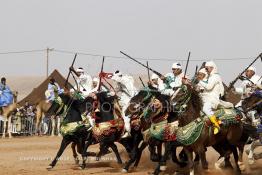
7, 113
189, 105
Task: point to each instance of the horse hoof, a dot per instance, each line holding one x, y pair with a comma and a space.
124, 170
49, 167
163, 168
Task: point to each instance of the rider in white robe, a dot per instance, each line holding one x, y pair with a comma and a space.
125, 90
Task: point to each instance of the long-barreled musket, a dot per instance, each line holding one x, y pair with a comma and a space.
70, 70
148, 75
187, 64
232, 83
154, 71
100, 78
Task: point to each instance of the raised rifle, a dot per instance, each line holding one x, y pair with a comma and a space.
70, 70
154, 71
232, 83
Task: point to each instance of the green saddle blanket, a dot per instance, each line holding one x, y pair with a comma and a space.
72, 127
164, 131
188, 134
227, 116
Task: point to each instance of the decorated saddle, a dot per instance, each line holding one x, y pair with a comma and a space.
107, 128
164, 131
188, 134
72, 127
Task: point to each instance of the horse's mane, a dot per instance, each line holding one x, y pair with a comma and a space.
196, 99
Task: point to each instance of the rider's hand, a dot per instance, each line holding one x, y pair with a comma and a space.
71, 68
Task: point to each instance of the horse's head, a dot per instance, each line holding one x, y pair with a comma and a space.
139, 102
253, 101
187, 103
158, 107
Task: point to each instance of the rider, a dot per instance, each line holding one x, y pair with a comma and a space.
95, 86
173, 80
213, 89
125, 90
252, 80
52, 88
84, 81
156, 82
6, 95
247, 86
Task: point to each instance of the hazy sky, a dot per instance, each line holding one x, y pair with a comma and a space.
155, 29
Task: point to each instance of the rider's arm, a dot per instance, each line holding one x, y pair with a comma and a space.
212, 82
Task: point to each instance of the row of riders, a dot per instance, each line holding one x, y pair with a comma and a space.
95, 113
160, 115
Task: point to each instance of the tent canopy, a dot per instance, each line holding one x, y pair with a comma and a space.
38, 93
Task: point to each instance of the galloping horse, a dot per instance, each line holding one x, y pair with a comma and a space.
231, 134
254, 104
7, 113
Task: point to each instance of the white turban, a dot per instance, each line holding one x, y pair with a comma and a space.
80, 70
210, 64
176, 66
154, 76
95, 79
203, 70
252, 68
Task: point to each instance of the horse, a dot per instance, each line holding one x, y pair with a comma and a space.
7, 114
138, 106
253, 105
232, 134
72, 109
134, 110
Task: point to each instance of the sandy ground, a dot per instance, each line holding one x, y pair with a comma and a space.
31, 155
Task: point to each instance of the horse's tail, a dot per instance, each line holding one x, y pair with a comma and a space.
249, 131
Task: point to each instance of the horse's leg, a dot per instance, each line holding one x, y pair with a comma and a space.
251, 153
190, 160
53, 125
235, 154
140, 151
240, 160
84, 153
182, 156
114, 148
9, 129
73, 146
133, 154
65, 142
203, 159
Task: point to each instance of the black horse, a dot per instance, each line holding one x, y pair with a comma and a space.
72, 109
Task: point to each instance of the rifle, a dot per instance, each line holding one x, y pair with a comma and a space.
231, 84
142, 81
187, 64
148, 71
70, 70
100, 78
154, 71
